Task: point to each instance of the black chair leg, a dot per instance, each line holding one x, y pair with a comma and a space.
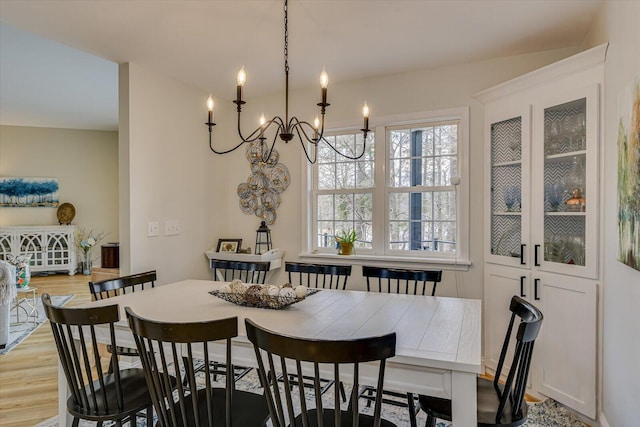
150, 416
342, 392
75, 422
412, 410
370, 393
431, 421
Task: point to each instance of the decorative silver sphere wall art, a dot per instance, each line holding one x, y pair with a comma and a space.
260, 195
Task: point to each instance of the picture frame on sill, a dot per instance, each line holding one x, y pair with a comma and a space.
229, 245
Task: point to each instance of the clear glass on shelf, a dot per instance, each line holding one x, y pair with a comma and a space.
565, 197
506, 188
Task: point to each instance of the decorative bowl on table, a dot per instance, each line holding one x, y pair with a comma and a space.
262, 296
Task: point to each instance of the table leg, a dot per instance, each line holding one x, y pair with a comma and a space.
64, 418
464, 399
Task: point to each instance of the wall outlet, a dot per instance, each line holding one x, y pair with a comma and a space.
153, 228
172, 228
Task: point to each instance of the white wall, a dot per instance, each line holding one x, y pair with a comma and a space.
618, 24
167, 173
404, 93
85, 162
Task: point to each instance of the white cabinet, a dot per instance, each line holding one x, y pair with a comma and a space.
52, 248
542, 144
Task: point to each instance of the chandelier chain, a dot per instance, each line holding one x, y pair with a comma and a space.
286, 37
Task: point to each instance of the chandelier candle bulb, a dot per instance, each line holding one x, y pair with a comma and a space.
210, 106
316, 126
262, 120
365, 114
324, 82
242, 78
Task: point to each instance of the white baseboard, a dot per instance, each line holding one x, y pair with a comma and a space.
603, 420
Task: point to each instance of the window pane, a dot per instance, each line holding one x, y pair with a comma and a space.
445, 233
325, 207
427, 206
399, 206
325, 234
364, 174
446, 139
326, 153
369, 149
345, 175
326, 177
444, 205
400, 173
427, 141
444, 168
399, 235
363, 207
364, 229
346, 144
399, 146
344, 207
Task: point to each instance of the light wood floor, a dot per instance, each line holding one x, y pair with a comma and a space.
29, 373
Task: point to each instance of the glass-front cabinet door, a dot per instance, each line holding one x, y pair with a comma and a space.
565, 183
508, 178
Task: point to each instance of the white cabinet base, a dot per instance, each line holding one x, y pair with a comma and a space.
52, 248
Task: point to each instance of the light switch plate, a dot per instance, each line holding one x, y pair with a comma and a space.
153, 228
172, 228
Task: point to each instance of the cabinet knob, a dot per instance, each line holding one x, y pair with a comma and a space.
535, 255
535, 289
522, 261
522, 294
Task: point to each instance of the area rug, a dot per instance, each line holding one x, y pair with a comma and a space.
547, 413
18, 332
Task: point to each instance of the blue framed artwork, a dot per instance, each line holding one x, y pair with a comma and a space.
28, 192
629, 177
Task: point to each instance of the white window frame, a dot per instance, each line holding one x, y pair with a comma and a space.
380, 254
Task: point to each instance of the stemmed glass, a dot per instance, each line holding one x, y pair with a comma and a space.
512, 198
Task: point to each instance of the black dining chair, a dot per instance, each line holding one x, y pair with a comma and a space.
122, 285
160, 345
405, 281
95, 395
324, 276
109, 288
401, 281
500, 404
247, 272
278, 353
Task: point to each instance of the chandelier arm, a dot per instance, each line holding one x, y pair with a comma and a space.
300, 126
364, 147
304, 147
273, 145
224, 151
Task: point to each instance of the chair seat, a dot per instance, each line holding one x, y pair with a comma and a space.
256, 416
488, 402
135, 396
345, 419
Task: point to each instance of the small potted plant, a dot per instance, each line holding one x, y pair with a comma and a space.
345, 240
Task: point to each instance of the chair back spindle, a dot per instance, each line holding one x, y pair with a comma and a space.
108, 288
401, 281
318, 275
247, 272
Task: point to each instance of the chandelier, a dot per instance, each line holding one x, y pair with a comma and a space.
288, 128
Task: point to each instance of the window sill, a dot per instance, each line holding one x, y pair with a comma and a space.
389, 261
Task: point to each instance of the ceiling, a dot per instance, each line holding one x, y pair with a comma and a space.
58, 58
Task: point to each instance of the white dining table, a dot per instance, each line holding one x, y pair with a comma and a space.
438, 350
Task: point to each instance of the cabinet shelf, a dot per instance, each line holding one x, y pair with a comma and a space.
507, 213
509, 163
565, 213
563, 157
